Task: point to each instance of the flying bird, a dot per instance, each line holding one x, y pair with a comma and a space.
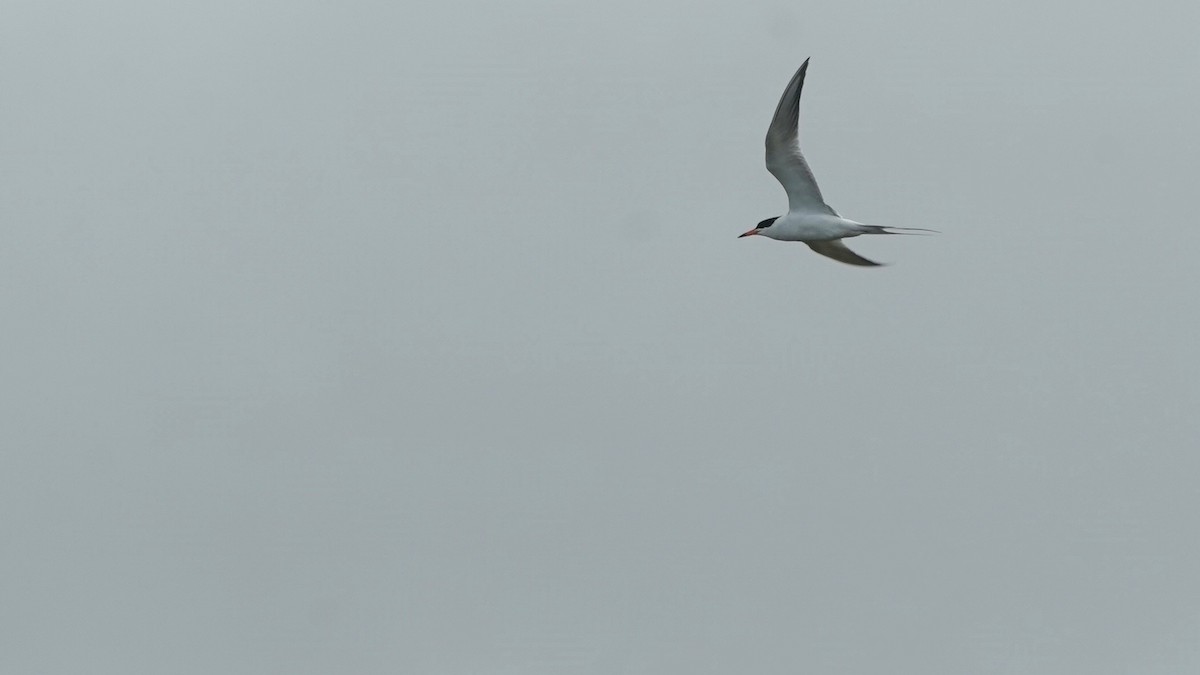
809, 219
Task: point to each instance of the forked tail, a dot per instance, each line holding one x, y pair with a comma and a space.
884, 229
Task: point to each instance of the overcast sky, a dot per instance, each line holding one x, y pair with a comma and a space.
378, 337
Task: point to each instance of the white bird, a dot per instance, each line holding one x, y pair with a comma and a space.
809, 219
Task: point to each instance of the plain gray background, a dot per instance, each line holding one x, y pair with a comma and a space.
414, 337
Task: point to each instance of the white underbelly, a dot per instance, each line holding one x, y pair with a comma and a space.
793, 227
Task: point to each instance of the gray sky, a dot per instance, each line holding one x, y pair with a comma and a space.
380, 337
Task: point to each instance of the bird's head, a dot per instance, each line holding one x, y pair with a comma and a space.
758, 229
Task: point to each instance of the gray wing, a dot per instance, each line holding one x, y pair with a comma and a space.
784, 159
837, 250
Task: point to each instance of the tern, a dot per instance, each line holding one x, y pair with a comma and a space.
809, 219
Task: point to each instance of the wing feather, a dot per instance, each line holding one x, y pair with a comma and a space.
784, 159
838, 251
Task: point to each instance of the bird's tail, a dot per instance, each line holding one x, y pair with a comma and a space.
883, 229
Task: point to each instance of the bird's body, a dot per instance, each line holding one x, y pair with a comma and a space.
808, 226
809, 219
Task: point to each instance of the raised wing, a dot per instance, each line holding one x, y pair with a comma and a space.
837, 250
784, 159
